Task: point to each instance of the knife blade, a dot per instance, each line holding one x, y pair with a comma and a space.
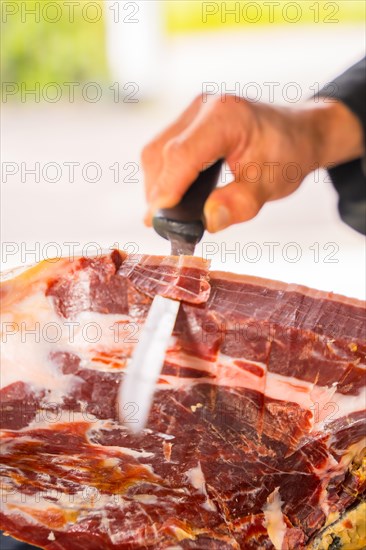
183, 225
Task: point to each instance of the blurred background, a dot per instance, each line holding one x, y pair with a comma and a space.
86, 84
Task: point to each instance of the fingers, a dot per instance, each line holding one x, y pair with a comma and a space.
206, 139
208, 130
151, 156
236, 202
148, 218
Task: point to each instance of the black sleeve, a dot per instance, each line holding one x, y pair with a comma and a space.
349, 179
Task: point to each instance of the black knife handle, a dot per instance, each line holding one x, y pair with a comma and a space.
186, 220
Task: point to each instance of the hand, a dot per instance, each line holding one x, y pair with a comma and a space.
269, 150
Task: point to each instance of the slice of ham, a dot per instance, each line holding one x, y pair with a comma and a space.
182, 278
257, 429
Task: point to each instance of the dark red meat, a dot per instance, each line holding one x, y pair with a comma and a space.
258, 415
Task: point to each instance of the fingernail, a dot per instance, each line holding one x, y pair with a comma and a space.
147, 219
160, 198
219, 218
164, 201
153, 195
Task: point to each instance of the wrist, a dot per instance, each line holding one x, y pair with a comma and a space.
335, 133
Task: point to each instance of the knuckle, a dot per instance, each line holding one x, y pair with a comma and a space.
229, 98
175, 151
223, 104
149, 153
219, 103
220, 108
245, 206
251, 207
199, 99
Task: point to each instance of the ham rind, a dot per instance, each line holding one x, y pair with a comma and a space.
256, 435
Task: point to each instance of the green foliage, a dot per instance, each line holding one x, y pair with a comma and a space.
72, 49
42, 51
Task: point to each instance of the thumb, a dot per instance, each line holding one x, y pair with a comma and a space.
234, 203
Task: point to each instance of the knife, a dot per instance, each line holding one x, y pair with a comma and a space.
183, 225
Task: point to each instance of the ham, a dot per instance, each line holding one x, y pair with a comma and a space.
257, 431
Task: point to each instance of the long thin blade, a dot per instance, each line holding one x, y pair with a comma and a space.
179, 246
137, 389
